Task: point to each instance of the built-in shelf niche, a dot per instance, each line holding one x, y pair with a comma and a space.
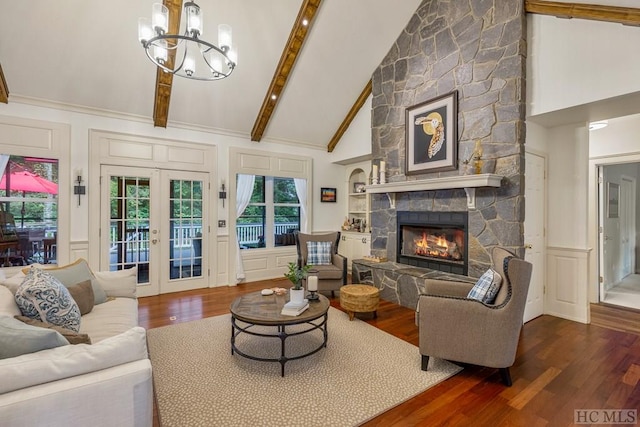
468, 182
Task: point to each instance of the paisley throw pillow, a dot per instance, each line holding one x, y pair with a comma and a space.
42, 297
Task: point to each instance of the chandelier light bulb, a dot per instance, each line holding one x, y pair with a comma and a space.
145, 32
232, 54
189, 65
194, 19
160, 51
160, 18
224, 37
216, 63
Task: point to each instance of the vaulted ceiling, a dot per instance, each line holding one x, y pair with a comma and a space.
79, 54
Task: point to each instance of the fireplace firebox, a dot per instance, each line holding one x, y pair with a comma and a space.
434, 240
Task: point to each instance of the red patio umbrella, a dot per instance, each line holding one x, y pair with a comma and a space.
25, 181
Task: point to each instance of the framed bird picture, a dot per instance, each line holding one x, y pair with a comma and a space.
432, 135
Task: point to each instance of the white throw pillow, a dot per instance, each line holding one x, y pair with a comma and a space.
72, 274
119, 284
42, 297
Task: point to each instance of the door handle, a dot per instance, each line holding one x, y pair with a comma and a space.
154, 241
528, 246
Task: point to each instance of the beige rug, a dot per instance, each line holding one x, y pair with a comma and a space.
362, 373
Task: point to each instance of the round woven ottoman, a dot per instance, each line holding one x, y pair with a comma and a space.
359, 299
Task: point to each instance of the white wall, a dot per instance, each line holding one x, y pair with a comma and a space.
622, 136
576, 61
355, 144
567, 183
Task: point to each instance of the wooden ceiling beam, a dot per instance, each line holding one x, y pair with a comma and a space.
350, 116
285, 66
164, 80
4, 89
620, 15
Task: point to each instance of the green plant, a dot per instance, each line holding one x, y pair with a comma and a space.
296, 274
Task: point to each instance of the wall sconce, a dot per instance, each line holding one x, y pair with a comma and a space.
79, 189
223, 193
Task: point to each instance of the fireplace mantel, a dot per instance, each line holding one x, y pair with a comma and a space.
468, 182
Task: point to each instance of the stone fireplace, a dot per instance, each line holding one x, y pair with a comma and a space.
434, 240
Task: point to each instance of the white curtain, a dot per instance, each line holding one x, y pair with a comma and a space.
243, 196
301, 190
4, 159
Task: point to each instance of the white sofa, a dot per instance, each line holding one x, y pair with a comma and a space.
106, 383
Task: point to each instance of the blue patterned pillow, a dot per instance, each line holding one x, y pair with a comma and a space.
487, 287
42, 297
318, 253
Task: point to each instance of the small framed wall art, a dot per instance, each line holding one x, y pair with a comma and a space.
328, 195
431, 130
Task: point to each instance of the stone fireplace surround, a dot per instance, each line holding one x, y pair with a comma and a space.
478, 49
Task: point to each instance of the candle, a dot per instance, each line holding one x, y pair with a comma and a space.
312, 283
382, 166
375, 171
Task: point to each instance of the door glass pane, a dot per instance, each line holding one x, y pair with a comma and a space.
185, 229
28, 210
129, 225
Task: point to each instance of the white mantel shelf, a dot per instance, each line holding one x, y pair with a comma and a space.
468, 182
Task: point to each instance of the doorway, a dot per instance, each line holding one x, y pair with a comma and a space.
618, 222
534, 231
157, 220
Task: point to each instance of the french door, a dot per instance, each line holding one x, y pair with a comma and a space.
158, 221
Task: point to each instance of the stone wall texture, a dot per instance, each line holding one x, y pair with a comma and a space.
477, 48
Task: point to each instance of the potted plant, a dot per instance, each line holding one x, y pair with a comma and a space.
296, 275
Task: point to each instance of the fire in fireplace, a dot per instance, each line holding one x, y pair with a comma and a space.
435, 240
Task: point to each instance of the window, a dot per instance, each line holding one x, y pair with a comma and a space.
28, 210
272, 215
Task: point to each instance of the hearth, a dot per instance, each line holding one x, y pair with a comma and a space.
435, 240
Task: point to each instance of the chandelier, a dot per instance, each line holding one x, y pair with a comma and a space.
186, 55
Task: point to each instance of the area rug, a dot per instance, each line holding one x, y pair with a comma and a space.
361, 373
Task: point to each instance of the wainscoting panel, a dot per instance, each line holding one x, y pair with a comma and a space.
222, 272
261, 265
566, 290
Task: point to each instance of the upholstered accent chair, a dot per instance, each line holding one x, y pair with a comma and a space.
332, 272
460, 329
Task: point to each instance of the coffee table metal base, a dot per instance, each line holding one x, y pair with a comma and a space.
319, 323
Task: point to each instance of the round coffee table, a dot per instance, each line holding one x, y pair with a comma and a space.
254, 309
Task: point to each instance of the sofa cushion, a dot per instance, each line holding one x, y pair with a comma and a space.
119, 283
17, 338
487, 287
111, 318
42, 297
319, 253
77, 272
71, 360
82, 294
328, 272
14, 282
8, 305
68, 334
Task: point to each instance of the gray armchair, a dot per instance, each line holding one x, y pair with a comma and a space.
330, 277
459, 329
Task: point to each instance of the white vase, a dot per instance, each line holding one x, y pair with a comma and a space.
296, 295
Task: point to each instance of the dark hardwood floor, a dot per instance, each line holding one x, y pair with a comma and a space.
561, 366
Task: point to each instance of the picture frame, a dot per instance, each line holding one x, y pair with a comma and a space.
358, 187
613, 200
429, 148
328, 195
